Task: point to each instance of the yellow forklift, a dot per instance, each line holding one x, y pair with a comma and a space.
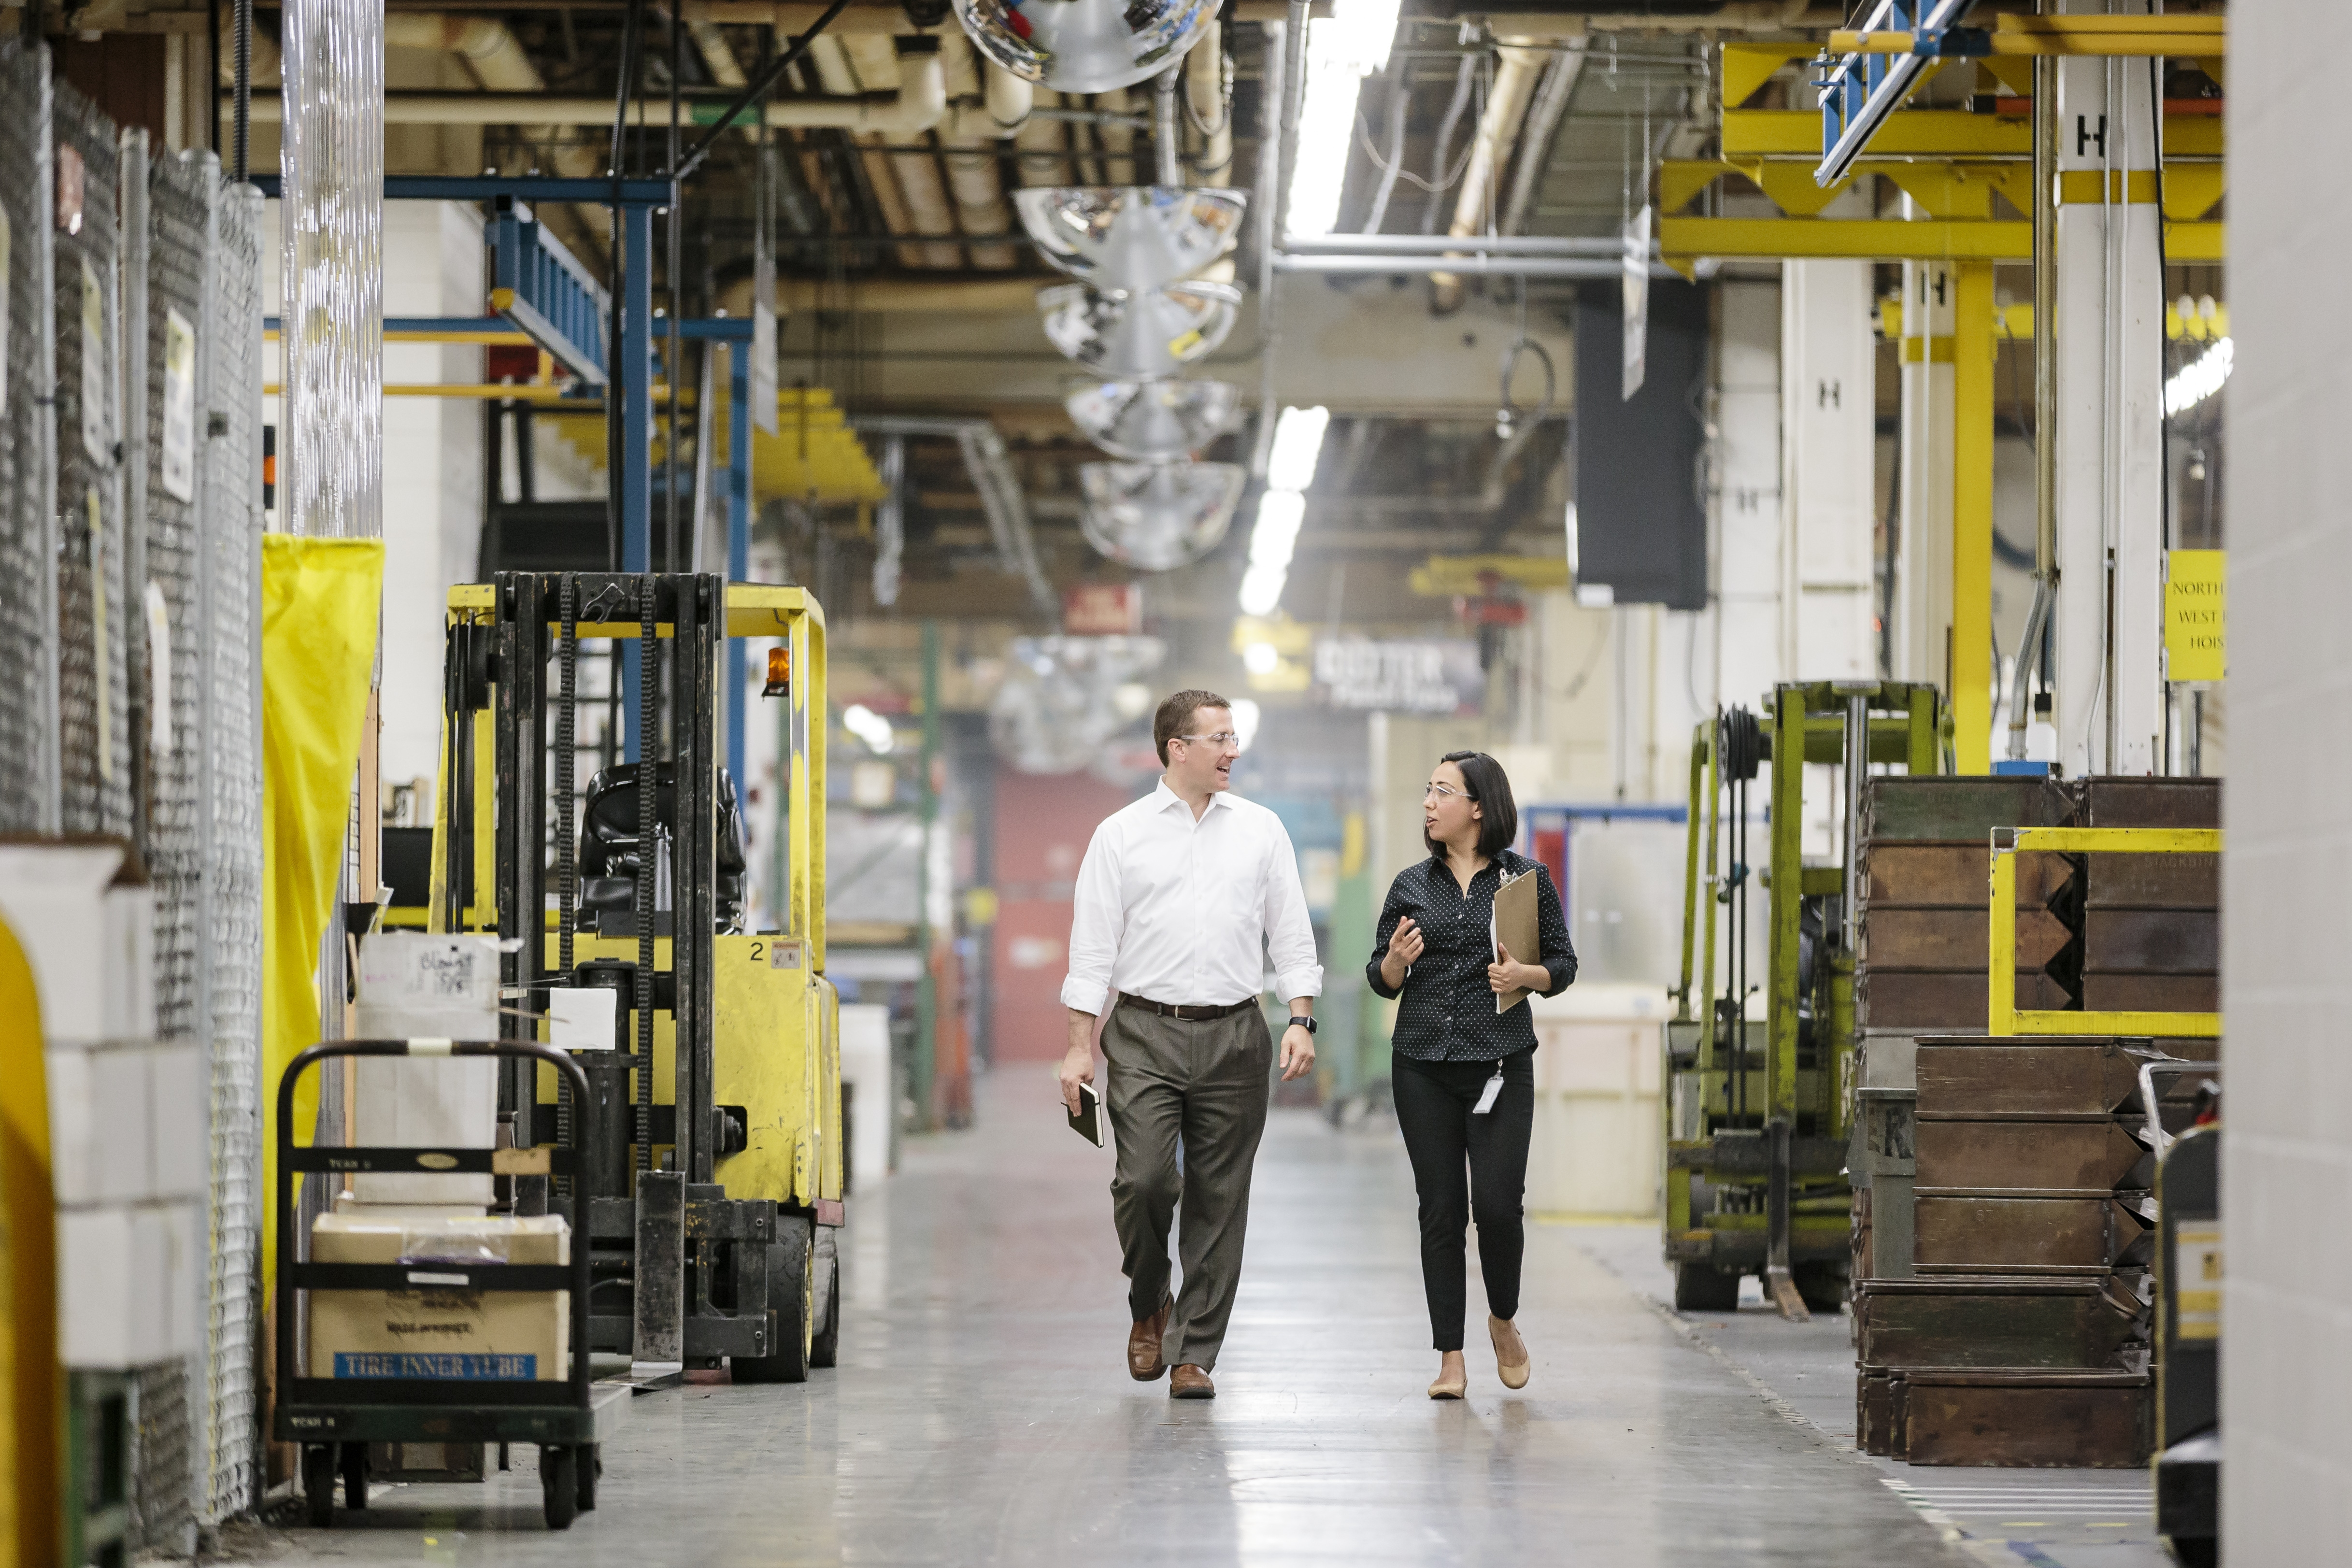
1759, 1112
709, 1189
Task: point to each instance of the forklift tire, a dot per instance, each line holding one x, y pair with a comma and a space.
1701, 1286
354, 1467
825, 1343
1822, 1286
792, 1269
319, 1484
592, 1467
559, 1485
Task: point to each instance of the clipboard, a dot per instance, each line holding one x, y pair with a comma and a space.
1513, 925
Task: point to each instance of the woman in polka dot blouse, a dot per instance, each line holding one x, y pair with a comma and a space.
1464, 1075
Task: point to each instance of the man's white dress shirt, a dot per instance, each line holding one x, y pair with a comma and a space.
1186, 912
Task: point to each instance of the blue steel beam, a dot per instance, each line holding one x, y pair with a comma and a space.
1861, 91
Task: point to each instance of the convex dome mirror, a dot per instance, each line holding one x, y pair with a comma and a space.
1158, 516
1141, 335
1153, 421
1084, 46
1131, 236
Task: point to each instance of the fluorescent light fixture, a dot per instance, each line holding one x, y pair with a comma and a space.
2200, 379
1298, 445
1261, 659
1279, 513
1262, 589
1341, 50
1245, 718
869, 727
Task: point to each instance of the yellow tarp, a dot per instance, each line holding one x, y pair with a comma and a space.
320, 603
33, 1430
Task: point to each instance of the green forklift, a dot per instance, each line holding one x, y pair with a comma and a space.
1758, 1109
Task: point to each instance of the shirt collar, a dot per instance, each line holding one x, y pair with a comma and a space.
1166, 797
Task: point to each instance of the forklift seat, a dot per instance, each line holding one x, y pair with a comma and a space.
610, 855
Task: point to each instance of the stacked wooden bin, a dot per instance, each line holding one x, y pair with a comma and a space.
2002, 1208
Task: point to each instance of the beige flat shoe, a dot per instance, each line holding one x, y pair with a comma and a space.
1514, 1375
1449, 1388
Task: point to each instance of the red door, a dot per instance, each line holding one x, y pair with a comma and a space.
1043, 825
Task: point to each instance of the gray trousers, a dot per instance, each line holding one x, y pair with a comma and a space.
1187, 1105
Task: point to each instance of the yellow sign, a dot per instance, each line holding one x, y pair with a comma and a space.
2197, 1255
2196, 642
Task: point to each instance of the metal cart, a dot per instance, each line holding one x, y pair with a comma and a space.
334, 1419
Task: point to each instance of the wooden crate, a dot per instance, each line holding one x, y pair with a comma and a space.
1955, 875
2024, 1418
1984, 1235
1956, 940
2045, 1157
2126, 802
2021, 1074
1957, 808
2153, 994
2085, 1323
1934, 1002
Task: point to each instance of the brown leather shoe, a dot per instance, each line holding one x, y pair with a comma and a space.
1144, 1362
1189, 1382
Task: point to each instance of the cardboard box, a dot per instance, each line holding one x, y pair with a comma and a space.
437, 1329
415, 984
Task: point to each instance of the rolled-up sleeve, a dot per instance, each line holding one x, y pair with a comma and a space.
1551, 935
1289, 933
1098, 918
1391, 912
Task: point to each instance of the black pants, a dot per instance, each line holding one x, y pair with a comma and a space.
1465, 1164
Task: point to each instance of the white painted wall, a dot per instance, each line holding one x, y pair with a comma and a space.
1748, 510
2286, 1396
432, 472
1828, 432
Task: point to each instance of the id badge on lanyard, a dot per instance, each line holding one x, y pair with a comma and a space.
1492, 1091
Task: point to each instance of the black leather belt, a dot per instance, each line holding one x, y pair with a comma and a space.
1188, 1014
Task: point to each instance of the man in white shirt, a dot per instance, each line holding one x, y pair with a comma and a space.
1181, 899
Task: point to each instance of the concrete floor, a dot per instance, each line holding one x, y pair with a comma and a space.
982, 1413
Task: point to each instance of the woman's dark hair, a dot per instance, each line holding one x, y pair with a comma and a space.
1499, 815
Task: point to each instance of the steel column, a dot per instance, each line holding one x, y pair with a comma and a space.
635, 480
739, 542
1971, 623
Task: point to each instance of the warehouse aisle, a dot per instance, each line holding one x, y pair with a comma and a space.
982, 1413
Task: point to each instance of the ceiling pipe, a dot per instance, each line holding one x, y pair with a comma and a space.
920, 104
973, 181
1211, 109
990, 466
1446, 245
1490, 151
1440, 268
1559, 81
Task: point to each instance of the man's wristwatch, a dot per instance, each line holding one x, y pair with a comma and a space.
1305, 1023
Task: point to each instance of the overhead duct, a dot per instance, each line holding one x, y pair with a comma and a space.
1490, 151
971, 154
1002, 501
920, 104
1208, 101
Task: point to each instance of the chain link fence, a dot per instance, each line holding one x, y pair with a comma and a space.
93, 638
229, 403
26, 612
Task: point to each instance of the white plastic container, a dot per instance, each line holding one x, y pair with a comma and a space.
1598, 1143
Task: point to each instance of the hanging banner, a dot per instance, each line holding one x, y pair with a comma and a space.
1637, 304
2195, 626
763, 293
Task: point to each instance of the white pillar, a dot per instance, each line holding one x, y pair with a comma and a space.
2110, 340
1922, 554
2286, 1392
1828, 432
432, 476
1749, 533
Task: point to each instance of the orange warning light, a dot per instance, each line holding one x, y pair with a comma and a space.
780, 672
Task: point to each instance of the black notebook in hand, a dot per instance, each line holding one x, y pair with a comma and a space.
1086, 1121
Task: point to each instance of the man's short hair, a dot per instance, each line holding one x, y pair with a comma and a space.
1177, 712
